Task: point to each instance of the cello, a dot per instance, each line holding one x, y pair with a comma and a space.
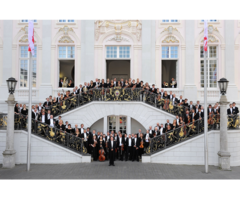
101, 153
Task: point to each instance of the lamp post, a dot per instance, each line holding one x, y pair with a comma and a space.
223, 154
9, 153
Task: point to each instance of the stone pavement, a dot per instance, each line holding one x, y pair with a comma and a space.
122, 170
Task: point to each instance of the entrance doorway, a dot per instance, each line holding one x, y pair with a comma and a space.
67, 70
169, 70
118, 69
117, 123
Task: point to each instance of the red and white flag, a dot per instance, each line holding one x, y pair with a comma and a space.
205, 34
31, 37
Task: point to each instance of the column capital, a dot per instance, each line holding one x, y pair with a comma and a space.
157, 47
183, 47
137, 47
100, 47
222, 46
53, 47
196, 47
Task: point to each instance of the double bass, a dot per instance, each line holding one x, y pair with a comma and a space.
101, 154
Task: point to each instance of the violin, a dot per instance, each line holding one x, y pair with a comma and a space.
101, 155
141, 145
122, 147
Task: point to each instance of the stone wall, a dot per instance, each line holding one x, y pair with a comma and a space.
42, 151
191, 152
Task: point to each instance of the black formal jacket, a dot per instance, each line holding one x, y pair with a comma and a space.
175, 100
193, 107
33, 115
196, 108
171, 85
46, 104
167, 124
61, 127
229, 111
163, 131
197, 116
137, 142
109, 146
60, 84
236, 111
153, 90
16, 109
169, 97
156, 132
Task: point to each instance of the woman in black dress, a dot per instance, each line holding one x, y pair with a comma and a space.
70, 84
24, 113
16, 111
94, 148
69, 129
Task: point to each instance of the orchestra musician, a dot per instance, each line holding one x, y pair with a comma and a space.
111, 147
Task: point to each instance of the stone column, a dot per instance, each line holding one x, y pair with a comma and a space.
6, 60
189, 68
47, 67
223, 154
87, 50
105, 125
9, 153
128, 125
229, 59
148, 51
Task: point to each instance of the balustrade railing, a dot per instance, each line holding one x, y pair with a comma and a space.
44, 130
188, 131
116, 94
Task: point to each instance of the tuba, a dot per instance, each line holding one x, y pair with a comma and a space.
166, 84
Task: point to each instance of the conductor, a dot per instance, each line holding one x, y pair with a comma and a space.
111, 146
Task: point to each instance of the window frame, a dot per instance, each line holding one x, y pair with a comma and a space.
60, 58
118, 52
34, 58
170, 21
169, 52
207, 62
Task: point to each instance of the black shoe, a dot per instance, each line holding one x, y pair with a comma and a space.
113, 165
109, 165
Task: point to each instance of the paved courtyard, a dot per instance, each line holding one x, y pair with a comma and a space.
122, 170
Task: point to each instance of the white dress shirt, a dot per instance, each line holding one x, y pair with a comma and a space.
43, 118
120, 141
129, 142
51, 123
112, 144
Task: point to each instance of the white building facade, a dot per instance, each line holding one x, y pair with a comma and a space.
151, 50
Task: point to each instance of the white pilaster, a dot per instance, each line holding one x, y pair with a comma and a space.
87, 50
229, 60
105, 125
128, 125
190, 63
49, 73
148, 50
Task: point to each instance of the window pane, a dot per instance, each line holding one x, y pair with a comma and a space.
24, 51
201, 52
71, 52
174, 52
111, 52
23, 73
212, 51
62, 52
213, 73
124, 52
165, 52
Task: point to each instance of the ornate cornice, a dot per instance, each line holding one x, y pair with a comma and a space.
65, 30
211, 29
24, 39
170, 39
132, 26
65, 39
211, 39
170, 30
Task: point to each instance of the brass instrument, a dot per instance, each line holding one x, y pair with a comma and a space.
166, 84
170, 105
174, 83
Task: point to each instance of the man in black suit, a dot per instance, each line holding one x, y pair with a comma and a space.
173, 83
156, 132
147, 137
235, 109
191, 106
135, 148
60, 83
197, 106
75, 129
128, 148
47, 104
111, 146
209, 109
162, 130
138, 83
168, 124
153, 89
48, 115
199, 115
175, 100
51, 121
170, 96
230, 110
185, 103
122, 82
139, 132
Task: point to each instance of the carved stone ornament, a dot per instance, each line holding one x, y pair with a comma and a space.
171, 39
132, 26
118, 39
211, 29
170, 30
65, 30
24, 29
65, 39
24, 39
211, 39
